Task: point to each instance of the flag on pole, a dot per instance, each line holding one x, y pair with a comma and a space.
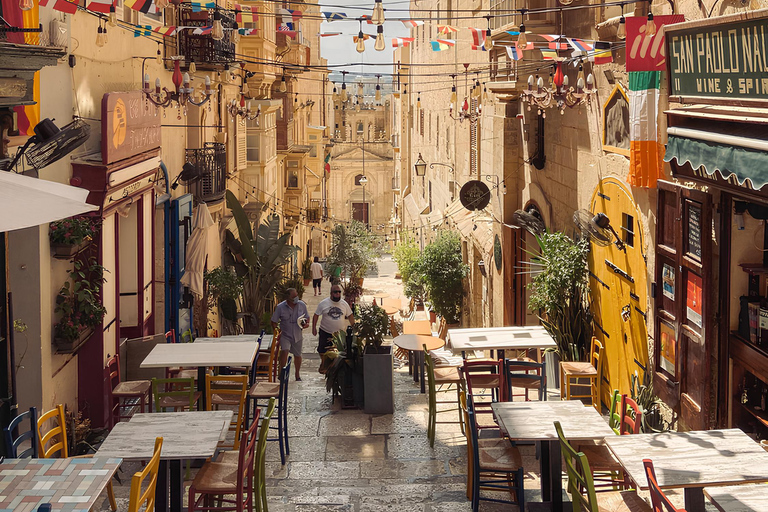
412, 23
442, 44
328, 163
334, 16
287, 30
645, 153
291, 14
602, 53
102, 6
478, 36
579, 45
246, 13
401, 41
446, 29
553, 41
330, 34
69, 7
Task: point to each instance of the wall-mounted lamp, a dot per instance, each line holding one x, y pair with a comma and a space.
420, 166
481, 266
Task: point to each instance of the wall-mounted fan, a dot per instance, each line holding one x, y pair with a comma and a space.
50, 144
190, 173
530, 221
596, 227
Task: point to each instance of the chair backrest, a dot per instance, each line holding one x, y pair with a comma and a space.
485, 374
614, 414
246, 457
187, 336
56, 436
631, 416
524, 374
430, 371
137, 498
471, 432
233, 386
393, 330
579, 475
261, 447
442, 328
170, 336
113, 366
417, 327
12, 443
596, 358
178, 389
285, 373
659, 501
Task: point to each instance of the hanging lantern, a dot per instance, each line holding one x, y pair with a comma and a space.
621, 33
217, 31
650, 26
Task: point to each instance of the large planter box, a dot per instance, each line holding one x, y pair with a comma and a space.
67, 251
552, 360
379, 381
69, 346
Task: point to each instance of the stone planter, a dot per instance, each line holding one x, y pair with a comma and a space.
69, 346
378, 380
306, 282
552, 360
67, 251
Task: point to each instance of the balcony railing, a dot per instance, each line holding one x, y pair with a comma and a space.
205, 51
211, 161
313, 215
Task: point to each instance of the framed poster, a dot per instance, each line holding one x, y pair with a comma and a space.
667, 348
668, 281
693, 299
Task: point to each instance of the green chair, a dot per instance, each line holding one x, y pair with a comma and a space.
178, 394
436, 379
581, 486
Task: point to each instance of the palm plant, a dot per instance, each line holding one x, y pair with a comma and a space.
258, 259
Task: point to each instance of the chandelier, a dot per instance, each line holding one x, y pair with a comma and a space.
184, 92
465, 112
558, 94
243, 110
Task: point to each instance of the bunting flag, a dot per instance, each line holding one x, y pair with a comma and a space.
479, 47
442, 44
478, 37
166, 31
287, 30
412, 23
602, 54
334, 16
401, 41
246, 13
446, 29
553, 41
291, 15
580, 45
330, 34
512, 32
202, 31
102, 6
548, 54
327, 165
645, 153
247, 31
514, 52
142, 30
71, 8
199, 6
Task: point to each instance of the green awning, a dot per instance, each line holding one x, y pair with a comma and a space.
746, 157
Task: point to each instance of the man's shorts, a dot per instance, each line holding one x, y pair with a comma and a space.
316, 282
325, 341
294, 347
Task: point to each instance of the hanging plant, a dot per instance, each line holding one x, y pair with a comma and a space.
70, 236
79, 304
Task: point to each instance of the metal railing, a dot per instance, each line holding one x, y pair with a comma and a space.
211, 161
204, 50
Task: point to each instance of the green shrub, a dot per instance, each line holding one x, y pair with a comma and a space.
444, 272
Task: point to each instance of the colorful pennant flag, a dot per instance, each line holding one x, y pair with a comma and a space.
478, 36
367, 19
602, 53
442, 44
202, 31
66, 7
580, 45
334, 16
327, 163
548, 54
166, 31
401, 41
330, 34
102, 6
246, 13
512, 32
291, 14
247, 31
287, 30
645, 153
446, 29
553, 41
412, 23
199, 6
142, 30
514, 52
479, 47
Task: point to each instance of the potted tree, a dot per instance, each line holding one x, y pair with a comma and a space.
306, 274
372, 325
343, 367
354, 249
443, 272
70, 236
79, 306
225, 288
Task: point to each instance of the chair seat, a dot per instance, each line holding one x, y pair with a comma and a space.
522, 382
218, 399
600, 457
578, 369
132, 388
216, 478
621, 501
264, 390
498, 455
447, 375
177, 401
485, 381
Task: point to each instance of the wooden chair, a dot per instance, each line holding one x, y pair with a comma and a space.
52, 443
581, 487
496, 465
279, 392
659, 501
483, 380
127, 396
574, 373
228, 391
12, 443
177, 394
268, 363
527, 375
146, 478
436, 379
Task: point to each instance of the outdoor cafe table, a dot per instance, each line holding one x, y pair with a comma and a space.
692, 460
500, 339
186, 435
417, 327
67, 484
739, 498
414, 343
225, 353
534, 421
389, 310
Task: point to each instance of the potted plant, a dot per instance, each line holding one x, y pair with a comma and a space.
655, 412
372, 324
343, 367
443, 273
79, 305
225, 287
70, 236
296, 282
355, 249
306, 274
352, 291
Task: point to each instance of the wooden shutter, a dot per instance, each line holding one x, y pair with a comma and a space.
683, 303
242, 146
474, 141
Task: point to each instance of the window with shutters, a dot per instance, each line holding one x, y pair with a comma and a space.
474, 142
242, 146
437, 133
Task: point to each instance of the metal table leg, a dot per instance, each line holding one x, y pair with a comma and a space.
694, 499
161, 488
420, 355
177, 486
201, 387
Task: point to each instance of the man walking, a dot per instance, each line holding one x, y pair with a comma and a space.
316, 269
336, 313
292, 316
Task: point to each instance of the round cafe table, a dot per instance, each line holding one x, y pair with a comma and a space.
415, 343
389, 310
380, 297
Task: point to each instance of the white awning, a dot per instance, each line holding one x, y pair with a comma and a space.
413, 209
473, 226
433, 218
27, 202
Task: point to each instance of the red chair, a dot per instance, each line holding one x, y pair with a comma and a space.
127, 396
631, 416
659, 501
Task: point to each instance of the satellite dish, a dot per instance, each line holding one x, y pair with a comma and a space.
50, 144
596, 228
529, 221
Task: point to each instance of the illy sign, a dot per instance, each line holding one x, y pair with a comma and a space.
644, 52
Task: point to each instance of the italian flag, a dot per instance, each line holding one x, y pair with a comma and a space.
645, 160
327, 165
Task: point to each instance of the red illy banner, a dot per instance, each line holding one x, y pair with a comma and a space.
647, 53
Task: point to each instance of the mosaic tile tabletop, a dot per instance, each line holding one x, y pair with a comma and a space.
67, 484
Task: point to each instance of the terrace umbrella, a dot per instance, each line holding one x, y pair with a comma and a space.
197, 250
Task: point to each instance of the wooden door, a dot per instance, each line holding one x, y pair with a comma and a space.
514, 286
360, 212
683, 303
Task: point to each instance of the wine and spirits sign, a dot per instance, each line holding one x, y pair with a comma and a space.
728, 60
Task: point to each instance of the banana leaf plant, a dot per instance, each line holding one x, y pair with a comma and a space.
259, 256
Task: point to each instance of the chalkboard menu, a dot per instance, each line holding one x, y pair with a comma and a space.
694, 230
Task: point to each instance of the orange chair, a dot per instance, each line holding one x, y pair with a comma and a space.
573, 373
267, 364
127, 396
659, 501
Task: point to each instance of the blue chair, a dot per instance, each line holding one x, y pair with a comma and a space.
12, 444
279, 391
525, 374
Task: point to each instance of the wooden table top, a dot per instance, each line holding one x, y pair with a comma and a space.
739, 498
390, 310
266, 341
417, 327
186, 435
415, 342
534, 421
499, 338
692, 459
67, 484
224, 353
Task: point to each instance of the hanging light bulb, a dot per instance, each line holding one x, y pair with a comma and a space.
100, 37
360, 42
161, 4
235, 37
621, 33
217, 32
192, 67
159, 57
380, 44
343, 92
378, 92
283, 87
488, 41
418, 101
522, 39
104, 33
377, 18
112, 17
26, 5
485, 94
650, 27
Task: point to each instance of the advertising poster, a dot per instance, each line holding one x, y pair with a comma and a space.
668, 281
667, 356
693, 299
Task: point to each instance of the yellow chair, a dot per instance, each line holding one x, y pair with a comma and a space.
228, 390
576, 373
53, 442
267, 363
148, 474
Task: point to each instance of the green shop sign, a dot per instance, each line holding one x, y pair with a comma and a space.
727, 60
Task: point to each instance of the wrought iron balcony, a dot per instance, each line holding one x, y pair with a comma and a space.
204, 50
211, 162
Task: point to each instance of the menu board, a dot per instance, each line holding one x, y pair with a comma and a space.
694, 230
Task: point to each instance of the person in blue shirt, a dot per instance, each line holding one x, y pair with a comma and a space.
292, 317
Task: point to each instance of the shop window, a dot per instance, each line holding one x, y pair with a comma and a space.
628, 229
616, 122
253, 148
293, 179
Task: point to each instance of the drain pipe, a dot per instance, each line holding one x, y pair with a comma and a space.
165, 200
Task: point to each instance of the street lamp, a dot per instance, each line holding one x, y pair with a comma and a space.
363, 180
420, 166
